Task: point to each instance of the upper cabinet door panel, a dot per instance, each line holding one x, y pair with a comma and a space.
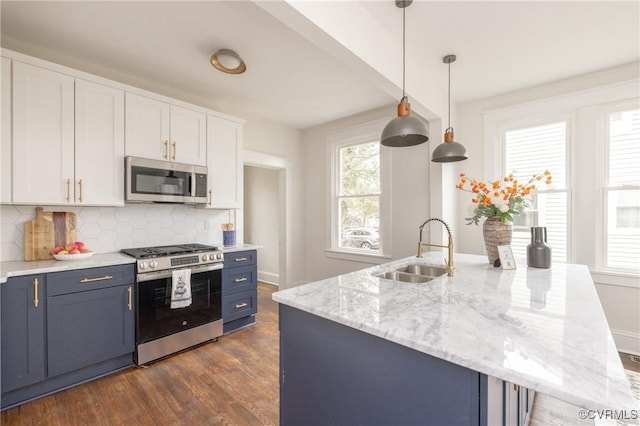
224, 158
188, 136
146, 128
5, 141
99, 144
43, 139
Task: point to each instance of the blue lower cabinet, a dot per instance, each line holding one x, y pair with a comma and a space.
89, 327
23, 337
239, 290
65, 328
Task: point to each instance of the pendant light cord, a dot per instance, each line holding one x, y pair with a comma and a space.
449, 96
404, 36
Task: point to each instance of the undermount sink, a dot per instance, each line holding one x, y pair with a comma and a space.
404, 277
422, 269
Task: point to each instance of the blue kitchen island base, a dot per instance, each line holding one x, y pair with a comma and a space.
333, 374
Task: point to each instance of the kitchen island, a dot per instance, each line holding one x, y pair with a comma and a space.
418, 351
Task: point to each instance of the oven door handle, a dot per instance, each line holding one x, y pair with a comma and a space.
150, 276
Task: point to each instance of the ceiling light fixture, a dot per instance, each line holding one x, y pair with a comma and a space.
228, 61
449, 151
404, 130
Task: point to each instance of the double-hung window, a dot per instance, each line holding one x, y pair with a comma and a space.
621, 214
357, 197
529, 150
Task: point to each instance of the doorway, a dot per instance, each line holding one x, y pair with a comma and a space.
266, 213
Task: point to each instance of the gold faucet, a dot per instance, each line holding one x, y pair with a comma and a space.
449, 262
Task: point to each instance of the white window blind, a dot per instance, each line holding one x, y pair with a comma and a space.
529, 151
622, 191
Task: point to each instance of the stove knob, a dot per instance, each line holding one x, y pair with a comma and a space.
153, 264
212, 257
204, 258
142, 265
219, 256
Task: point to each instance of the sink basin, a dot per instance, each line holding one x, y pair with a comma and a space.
422, 269
404, 277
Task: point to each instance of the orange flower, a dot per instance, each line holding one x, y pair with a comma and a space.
539, 177
496, 185
487, 201
547, 173
475, 190
462, 174
496, 194
474, 201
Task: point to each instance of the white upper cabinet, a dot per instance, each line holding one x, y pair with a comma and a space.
99, 145
158, 130
68, 139
5, 139
224, 160
188, 136
43, 140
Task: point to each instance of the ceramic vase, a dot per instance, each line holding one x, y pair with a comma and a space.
538, 252
495, 234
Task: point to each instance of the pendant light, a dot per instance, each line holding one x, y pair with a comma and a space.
449, 151
404, 130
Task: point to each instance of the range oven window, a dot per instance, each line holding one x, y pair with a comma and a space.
145, 180
156, 319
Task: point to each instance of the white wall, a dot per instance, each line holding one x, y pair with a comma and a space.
410, 192
620, 297
268, 137
262, 218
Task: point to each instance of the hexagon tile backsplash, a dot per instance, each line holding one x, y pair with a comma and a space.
108, 229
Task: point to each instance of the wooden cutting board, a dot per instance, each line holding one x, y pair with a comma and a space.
46, 231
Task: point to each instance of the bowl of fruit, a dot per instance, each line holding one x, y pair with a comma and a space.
73, 251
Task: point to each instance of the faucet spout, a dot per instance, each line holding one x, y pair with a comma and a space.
449, 246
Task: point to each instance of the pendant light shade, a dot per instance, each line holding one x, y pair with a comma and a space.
450, 150
404, 130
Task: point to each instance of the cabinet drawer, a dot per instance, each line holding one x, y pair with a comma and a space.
240, 258
239, 305
89, 279
237, 280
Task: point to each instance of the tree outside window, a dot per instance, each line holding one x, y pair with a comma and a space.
358, 196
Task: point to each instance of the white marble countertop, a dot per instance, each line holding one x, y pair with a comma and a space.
16, 268
540, 328
240, 247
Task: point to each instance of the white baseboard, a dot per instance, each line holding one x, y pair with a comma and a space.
627, 342
269, 277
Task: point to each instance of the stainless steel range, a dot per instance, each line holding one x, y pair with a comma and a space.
167, 320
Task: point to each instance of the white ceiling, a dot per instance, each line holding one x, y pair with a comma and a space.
165, 47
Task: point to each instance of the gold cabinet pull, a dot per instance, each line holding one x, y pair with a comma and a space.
241, 259
174, 150
129, 291
241, 280
241, 305
91, 280
516, 388
166, 150
80, 187
35, 293
210, 197
68, 190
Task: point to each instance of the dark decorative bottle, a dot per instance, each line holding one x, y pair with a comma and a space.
538, 252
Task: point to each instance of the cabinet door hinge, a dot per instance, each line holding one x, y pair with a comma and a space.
282, 378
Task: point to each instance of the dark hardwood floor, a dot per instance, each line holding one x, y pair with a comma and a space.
233, 381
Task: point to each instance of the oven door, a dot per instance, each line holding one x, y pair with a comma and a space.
156, 319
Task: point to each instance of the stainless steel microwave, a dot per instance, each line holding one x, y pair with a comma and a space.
156, 181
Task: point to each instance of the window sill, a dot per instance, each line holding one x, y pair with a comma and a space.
619, 279
373, 259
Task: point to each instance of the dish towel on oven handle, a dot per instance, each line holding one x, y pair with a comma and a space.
181, 288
